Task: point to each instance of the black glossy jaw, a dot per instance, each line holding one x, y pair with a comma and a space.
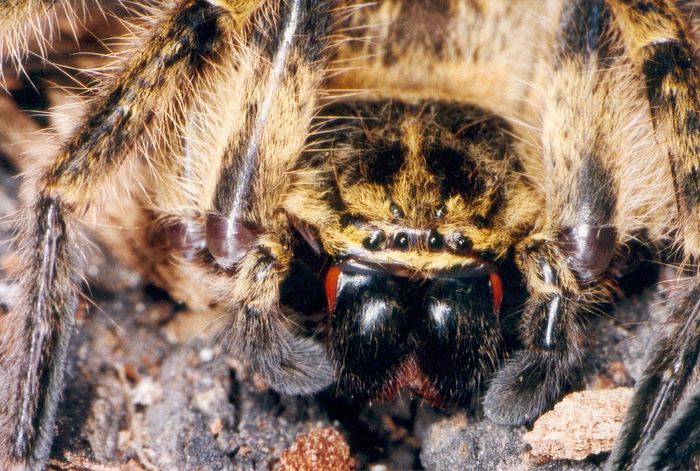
369, 333
461, 341
438, 338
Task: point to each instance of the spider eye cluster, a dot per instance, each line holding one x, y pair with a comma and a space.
411, 178
406, 239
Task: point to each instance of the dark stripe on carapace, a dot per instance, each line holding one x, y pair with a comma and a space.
361, 128
470, 123
383, 162
455, 170
370, 130
483, 141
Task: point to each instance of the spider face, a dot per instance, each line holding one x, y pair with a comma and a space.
419, 192
419, 185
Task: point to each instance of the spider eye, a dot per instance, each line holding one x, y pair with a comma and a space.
441, 212
401, 240
396, 211
463, 243
373, 241
435, 240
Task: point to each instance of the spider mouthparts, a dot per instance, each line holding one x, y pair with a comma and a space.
410, 376
496, 292
331, 284
359, 266
309, 234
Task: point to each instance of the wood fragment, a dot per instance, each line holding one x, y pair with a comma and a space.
582, 424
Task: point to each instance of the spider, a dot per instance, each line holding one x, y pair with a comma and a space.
450, 185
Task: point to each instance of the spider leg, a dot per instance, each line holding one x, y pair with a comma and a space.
223, 202
534, 377
36, 333
34, 339
675, 444
17, 18
658, 431
253, 188
566, 258
262, 330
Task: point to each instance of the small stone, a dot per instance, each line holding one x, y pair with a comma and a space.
147, 392
206, 355
319, 450
244, 451
207, 400
217, 426
123, 439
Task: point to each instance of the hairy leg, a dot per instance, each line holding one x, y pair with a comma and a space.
656, 38
36, 333
240, 186
19, 20
589, 213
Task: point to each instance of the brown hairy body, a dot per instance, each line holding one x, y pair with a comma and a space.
426, 151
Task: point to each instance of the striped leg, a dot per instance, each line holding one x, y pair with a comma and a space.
245, 226
659, 431
565, 261
36, 333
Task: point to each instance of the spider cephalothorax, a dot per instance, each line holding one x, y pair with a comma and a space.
468, 172
420, 195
